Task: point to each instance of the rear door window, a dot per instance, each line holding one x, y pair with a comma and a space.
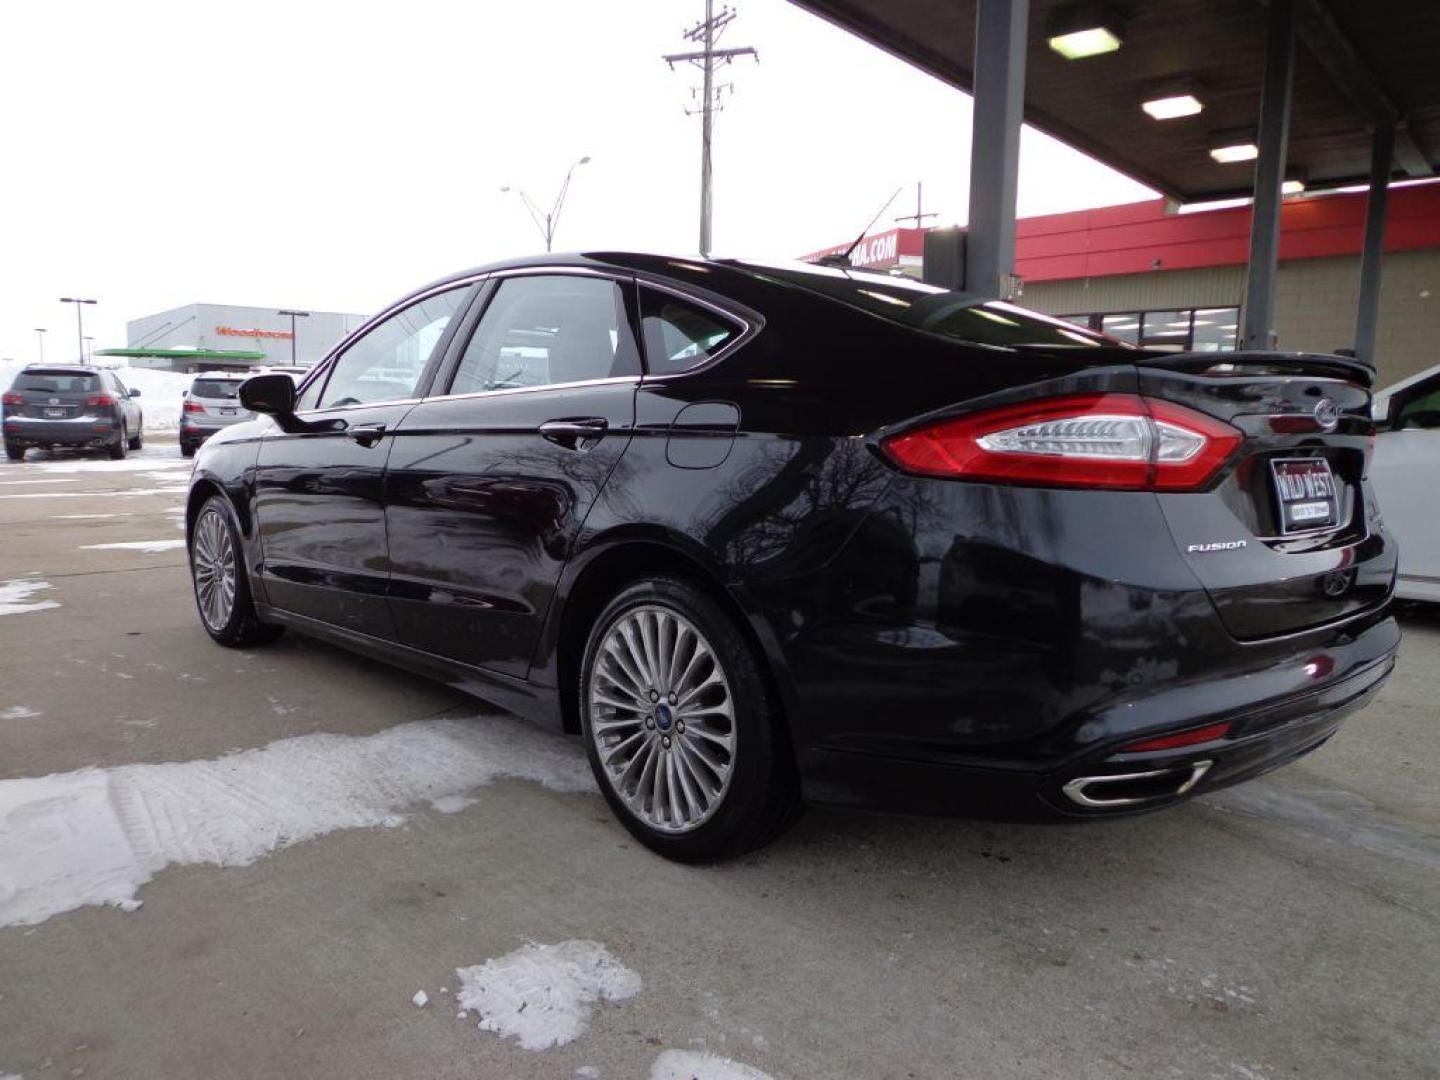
680, 335
547, 329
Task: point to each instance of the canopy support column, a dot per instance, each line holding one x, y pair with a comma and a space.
1259, 328
1367, 315
998, 109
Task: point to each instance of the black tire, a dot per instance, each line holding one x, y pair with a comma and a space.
14, 451
762, 797
137, 442
119, 448
187, 450
243, 628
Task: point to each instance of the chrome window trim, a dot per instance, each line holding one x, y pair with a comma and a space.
551, 271
748, 329
610, 380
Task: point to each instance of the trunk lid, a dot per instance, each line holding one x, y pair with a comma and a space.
1286, 538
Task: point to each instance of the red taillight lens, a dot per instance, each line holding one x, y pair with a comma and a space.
1193, 737
102, 400
1118, 441
14, 399
194, 406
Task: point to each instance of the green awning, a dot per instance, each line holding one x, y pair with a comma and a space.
186, 354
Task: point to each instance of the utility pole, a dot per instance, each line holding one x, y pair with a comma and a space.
89, 349
919, 215
293, 339
706, 33
40, 334
79, 320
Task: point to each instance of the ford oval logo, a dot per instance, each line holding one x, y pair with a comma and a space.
1327, 414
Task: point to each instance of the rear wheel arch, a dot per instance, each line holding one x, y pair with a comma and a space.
608, 572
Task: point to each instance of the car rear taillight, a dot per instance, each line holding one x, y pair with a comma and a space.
1118, 441
104, 401
1193, 737
14, 399
194, 406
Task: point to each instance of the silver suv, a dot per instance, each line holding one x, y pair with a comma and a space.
211, 403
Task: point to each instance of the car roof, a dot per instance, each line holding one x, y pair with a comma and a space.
67, 369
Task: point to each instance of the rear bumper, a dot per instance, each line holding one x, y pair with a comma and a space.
80, 431
1105, 782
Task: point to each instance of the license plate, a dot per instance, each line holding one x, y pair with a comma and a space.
227, 412
1305, 488
54, 412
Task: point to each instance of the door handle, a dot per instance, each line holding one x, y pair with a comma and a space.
581, 434
366, 434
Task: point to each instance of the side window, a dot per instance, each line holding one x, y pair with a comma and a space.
680, 335
386, 363
543, 329
1422, 409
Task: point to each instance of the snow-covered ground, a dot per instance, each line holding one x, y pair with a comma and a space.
160, 392
95, 836
15, 596
694, 1065
543, 995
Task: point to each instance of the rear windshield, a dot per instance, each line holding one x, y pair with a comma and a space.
939, 311
229, 389
56, 382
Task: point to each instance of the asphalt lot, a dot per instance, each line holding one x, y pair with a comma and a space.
1290, 928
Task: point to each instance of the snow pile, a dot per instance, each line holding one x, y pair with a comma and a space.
136, 545
18, 712
95, 836
420, 1000
15, 592
543, 994
159, 391
693, 1065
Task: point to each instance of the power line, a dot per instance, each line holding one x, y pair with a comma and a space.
705, 34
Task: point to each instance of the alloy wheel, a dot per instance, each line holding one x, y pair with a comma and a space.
212, 562
662, 718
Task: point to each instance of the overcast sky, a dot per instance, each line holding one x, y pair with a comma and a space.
332, 156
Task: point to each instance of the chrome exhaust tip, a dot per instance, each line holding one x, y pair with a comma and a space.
1130, 789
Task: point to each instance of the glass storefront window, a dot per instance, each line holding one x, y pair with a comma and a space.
1166, 329
1125, 327
1215, 329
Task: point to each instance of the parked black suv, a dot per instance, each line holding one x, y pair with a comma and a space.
69, 405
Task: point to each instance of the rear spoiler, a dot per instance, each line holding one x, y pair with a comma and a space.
1259, 361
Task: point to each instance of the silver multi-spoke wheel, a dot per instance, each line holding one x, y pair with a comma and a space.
212, 562
662, 718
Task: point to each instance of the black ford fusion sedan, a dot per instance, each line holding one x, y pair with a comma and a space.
763, 535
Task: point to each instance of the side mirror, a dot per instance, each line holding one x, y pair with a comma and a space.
273, 395
134, 392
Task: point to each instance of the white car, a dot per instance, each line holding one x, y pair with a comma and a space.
1405, 472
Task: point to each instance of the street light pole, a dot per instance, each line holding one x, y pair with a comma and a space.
547, 223
40, 336
89, 349
79, 320
293, 316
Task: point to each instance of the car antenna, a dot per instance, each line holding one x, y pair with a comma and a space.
843, 259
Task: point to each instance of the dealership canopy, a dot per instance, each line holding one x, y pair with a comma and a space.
1197, 98
1360, 65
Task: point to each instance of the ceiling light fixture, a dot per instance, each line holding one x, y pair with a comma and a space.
1083, 30
1173, 106
1228, 147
